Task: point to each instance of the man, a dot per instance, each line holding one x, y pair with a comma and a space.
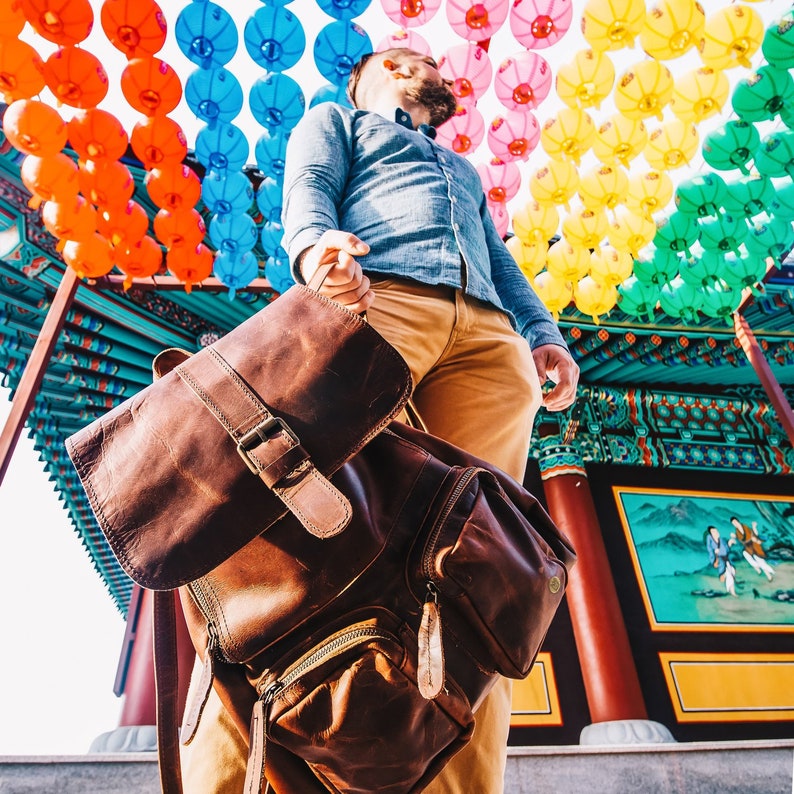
407, 223
752, 550
719, 557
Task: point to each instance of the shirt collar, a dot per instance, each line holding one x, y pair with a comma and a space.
404, 119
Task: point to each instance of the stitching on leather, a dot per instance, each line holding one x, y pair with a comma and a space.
318, 477
206, 399
242, 385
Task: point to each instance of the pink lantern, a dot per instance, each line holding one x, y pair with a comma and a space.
514, 135
469, 68
500, 180
477, 20
464, 132
410, 13
523, 81
409, 39
500, 216
538, 24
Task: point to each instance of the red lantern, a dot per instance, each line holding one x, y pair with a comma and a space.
51, 178
33, 127
90, 258
139, 260
69, 220
158, 141
97, 135
76, 77
106, 183
63, 22
179, 229
21, 70
123, 226
151, 86
173, 187
190, 264
136, 27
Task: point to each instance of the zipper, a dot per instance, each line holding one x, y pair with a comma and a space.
198, 596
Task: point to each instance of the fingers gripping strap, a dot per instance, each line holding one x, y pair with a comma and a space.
267, 445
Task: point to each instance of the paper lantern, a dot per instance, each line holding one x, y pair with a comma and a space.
531, 259
514, 135
630, 232
553, 293
554, 183
106, 183
523, 81
782, 205
534, 223
538, 24
612, 24
672, 145
34, 127
775, 156
63, 22
731, 36
410, 13
661, 268
726, 232
409, 39
585, 228
272, 234
278, 273
190, 264
235, 270
206, 34
638, 299
701, 195
173, 187
274, 38
499, 216
731, 145
72, 219
644, 90
677, 232
337, 47
233, 234
469, 69
269, 199
231, 194
620, 140
151, 86
464, 132
720, 300
608, 265
586, 81
680, 300
603, 187
568, 135
124, 225
777, 45
76, 77
90, 258
593, 298
139, 260
749, 195
762, 94
214, 95
182, 228
772, 237
222, 147
330, 93
476, 20
50, 178
567, 262
97, 135
12, 20
21, 70
277, 102
742, 270
701, 271
699, 94
649, 192
500, 180
157, 141
270, 153
672, 28
136, 27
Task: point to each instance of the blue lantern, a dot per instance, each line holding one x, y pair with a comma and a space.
337, 47
234, 234
214, 95
277, 102
331, 93
277, 271
271, 153
206, 34
222, 148
235, 270
269, 198
272, 235
274, 38
344, 9
230, 194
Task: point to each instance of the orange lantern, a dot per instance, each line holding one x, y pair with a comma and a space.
554, 294
151, 86
593, 298
173, 187
672, 27
158, 141
608, 266
535, 223
182, 228
76, 77
554, 183
106, 183
586, 81
672, 145
12, 20
531, 259
51, 178
699, 94
190, 264
568, 135
644, 90
585, 228
64, 22
123, 226
97, 135
34, 127
69, 220
139, 260
136, 27
91, 258
21, 70
620, 140
630, 232
649, 192
603, 187
567, 262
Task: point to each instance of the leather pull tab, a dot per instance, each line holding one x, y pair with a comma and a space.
255, 781
430, 673
198, 693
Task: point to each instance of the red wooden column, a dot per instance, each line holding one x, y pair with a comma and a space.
610, 677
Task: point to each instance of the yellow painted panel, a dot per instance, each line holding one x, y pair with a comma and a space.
535, 699
730, 687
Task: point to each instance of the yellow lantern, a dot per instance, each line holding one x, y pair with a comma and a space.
732, 36
644, 90
586, 81
555, 294
603, 187
620, 140
554, 183
593, 298
672, 145
630, 232
672, 27
535, 223
699, 94
585, 228
568, 135
649, 192
610, 266
612, 24
567, 262
531, 259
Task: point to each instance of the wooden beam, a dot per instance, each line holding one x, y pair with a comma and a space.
25, 394
116, 281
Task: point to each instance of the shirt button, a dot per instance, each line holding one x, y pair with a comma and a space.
453, 199
456, 227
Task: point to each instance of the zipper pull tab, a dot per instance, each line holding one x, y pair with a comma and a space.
430, 669
199, 690
257, 743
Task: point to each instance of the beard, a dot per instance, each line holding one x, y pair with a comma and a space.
437, 99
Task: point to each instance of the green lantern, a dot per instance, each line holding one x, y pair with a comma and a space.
744, 270
731, 145
726, 232
787, 116
719, 300
773, 237
637, 298
701, 271
778, 43
782, 205
701, 195
680, 300
660, 269
763, 93
749, 195
775, 155
677, 232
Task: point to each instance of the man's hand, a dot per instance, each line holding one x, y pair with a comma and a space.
554, 363
346, 282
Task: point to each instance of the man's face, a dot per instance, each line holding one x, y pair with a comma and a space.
424, 85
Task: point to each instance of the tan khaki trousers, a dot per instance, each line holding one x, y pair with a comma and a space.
475, 385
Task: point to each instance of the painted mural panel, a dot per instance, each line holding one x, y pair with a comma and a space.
711, 561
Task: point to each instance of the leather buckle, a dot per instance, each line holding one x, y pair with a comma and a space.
261, 434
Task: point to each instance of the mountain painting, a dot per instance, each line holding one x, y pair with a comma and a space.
711, 561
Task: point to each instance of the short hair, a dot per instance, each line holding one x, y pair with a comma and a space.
355, 76
733, 518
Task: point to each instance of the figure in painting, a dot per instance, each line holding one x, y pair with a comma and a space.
719, 557
752, 550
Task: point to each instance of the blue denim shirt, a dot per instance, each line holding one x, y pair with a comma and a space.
419, 206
